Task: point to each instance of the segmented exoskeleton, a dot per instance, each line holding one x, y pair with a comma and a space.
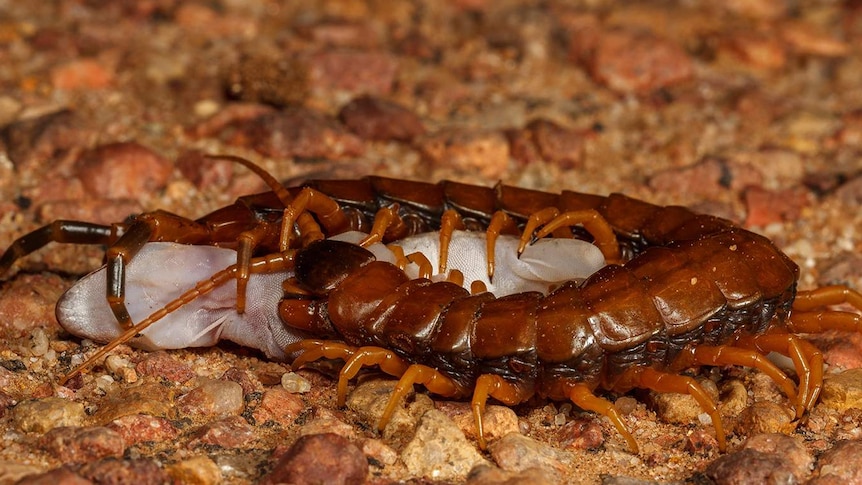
683, 289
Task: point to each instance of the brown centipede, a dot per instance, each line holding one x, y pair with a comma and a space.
683, 289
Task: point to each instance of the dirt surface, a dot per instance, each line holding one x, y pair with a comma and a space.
750, 110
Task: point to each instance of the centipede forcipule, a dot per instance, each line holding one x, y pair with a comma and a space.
688, 290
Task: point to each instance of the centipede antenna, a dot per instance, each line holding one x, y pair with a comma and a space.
274, 185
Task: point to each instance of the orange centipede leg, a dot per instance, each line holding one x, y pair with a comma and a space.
385, 359
449, 223
433, 380
583, 397
595, 224
807, 359
500, 223
648, 378
492, 385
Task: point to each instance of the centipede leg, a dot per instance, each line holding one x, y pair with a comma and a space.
327, 210
594, 223
807, 359
386, 220
648, 378
312, 350
492, 385
500, 223
809, 315
449, 222
583, 397
364, 357
247, 242
433, 380
726, 355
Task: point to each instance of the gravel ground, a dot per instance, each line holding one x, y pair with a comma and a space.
751, 110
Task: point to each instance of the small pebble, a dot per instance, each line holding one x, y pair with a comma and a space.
213, 398
62, 476
198, 470
42, 415
82, 445
750, 466
369, 400
278, 405
136, 428
841, 464
788, 448
380, 451
765, 417
122, 170
320, 458
491, 475
843, 391
439, 450
485, 153
297, 132
581, 434
515, 452
378, 119
295, 383
230, 432
145, 471
160, 364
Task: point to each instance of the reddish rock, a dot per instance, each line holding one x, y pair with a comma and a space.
57, 476
230, 432
243, 378
82, 445
35, 141
804, 38
850, 192
205, 173
485, 153
28, 303
297, 132
580, 434
557, 144
268, 79
279, 405
842, 350
708, 178
82, 74
320, 458
378, 119
750, 466
114, 471
370, 72
521, 146
160, 364
638, 62
123, 170
841, 464
136, 428
234, 113
701, 442
786, 447
754, 50
213, 398
767, 206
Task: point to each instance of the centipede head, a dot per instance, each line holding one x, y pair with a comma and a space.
324, 264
